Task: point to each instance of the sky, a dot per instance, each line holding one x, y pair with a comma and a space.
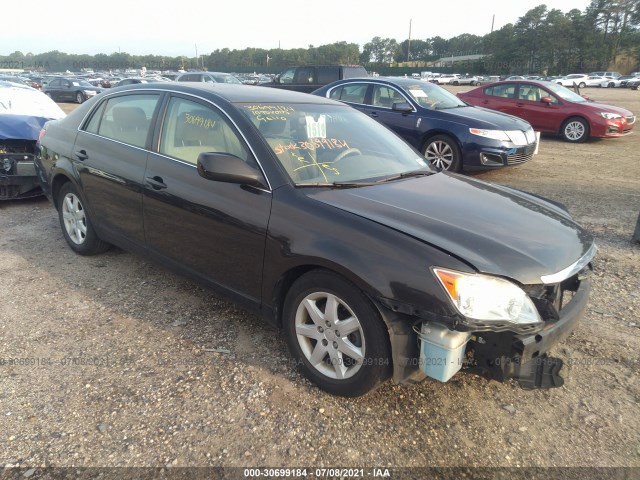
141, 27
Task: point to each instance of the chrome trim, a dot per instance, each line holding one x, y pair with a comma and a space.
571, 269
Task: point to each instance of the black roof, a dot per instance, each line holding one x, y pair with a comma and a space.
234, 93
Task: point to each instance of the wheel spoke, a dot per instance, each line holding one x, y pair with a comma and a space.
338, 363
331, 309
318, 355
347, 326
309, 331
68, 201
314, 312
349, 349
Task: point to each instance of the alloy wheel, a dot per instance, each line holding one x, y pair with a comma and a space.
330, 335
75, 220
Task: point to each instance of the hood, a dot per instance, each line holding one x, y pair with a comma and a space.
603, 107
23, 112
495, 229
484, 118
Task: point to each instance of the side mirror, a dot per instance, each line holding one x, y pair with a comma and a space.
402, 107
547, 100
223, 167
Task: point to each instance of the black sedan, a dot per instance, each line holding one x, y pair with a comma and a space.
66, 89
451, 134
325, 223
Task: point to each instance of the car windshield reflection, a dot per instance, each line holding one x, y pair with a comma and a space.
432, 97
326, 145
565, 94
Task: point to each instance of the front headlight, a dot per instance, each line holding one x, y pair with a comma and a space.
610, 116
488, 299
493, 134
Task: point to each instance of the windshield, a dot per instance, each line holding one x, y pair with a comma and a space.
225, 78
81, 83
564, 93
327, 144
432, 96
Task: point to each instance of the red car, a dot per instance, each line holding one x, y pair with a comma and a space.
552, 108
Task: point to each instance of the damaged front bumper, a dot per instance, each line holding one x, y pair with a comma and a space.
18, 177
501, 356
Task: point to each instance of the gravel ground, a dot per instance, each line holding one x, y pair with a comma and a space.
126, 364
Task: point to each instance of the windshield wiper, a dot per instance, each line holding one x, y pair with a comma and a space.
352, 184
335, 184
414, 173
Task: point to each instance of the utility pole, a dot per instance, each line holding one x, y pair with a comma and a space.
492, 21
409, 42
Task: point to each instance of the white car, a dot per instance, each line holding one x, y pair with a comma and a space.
610, 82
446, 79
578, 79
595, 80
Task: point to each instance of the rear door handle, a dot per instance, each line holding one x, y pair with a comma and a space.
374, 114
156, 182
81, 155
520, 104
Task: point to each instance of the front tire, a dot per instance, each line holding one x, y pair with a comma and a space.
76, 226
336, 335
575, 130
442, 152
80, 97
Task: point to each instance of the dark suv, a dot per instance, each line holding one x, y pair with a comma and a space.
311, 77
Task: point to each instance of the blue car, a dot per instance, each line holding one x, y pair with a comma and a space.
451, 134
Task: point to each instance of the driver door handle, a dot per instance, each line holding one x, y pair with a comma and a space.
81, 155
156, 182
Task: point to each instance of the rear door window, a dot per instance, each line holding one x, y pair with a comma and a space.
126, 118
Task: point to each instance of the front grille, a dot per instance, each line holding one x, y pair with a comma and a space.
522, 155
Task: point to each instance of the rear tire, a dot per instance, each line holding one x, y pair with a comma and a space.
76, 226
336, 335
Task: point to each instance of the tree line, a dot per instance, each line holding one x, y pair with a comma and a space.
606, 35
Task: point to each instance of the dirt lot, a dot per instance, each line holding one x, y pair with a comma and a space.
116, 372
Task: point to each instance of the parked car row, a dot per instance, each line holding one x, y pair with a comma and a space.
324, 222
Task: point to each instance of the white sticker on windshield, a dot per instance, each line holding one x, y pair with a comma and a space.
417, 93
316, 129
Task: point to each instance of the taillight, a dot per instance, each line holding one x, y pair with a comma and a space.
41, 134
